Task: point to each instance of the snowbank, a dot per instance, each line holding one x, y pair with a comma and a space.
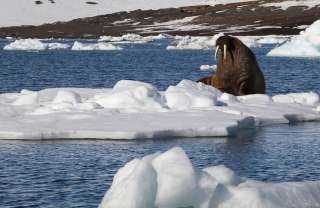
34, 45
170, 180
130, 38
307, 44
78, 46
137, 110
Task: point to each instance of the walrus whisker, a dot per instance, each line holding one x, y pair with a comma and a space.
215, 54
224, 52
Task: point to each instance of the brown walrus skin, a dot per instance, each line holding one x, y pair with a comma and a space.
238, 72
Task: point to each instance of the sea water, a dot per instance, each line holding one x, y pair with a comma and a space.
77, 173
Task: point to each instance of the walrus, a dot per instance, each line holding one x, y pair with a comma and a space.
238, 72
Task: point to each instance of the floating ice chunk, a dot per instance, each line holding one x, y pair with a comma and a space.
67, 97
194, 43
255, 99
224, 175
169, 180
188, 94
137, 110
128, 94
175, 172
65, 101
307, 44
34, 45
57, 46
228, 98
205, 42
252, 194
208, 67
310, 98
272, 40
26, 98
78, 46
249, 41
134, 186
26, 44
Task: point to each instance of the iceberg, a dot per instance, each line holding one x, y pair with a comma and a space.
169, 180
34, 45
138, 110
26, 44
78, 46
307, 44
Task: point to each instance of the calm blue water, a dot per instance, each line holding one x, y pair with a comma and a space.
77, 173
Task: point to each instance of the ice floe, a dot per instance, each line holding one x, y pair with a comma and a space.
26, 44
34, 45
307, 44
208, 42
194, 43
169, 179
102, 46
137, 110
208, 67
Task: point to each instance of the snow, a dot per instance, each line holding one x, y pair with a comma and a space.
34, 45
138, 110
129, 38
188, 94
286, 4
78, 46
310, 98
133, 95
208, 67
184, 24
61, 10
307, 44
170, 180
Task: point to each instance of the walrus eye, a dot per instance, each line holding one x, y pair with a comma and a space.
224, 52
215, 54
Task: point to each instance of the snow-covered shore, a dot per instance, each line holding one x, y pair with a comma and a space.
136, 110
170, 180
31, 13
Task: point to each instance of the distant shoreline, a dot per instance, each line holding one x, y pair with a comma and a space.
243, 18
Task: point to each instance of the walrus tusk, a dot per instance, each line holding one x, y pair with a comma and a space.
215, 54
224, 52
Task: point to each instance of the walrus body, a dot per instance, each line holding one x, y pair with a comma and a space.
238, 72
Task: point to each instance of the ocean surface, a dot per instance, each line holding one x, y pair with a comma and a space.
77, 173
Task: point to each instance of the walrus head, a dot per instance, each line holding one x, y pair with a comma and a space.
225, 49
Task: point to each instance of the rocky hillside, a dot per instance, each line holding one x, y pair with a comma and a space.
242, 18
